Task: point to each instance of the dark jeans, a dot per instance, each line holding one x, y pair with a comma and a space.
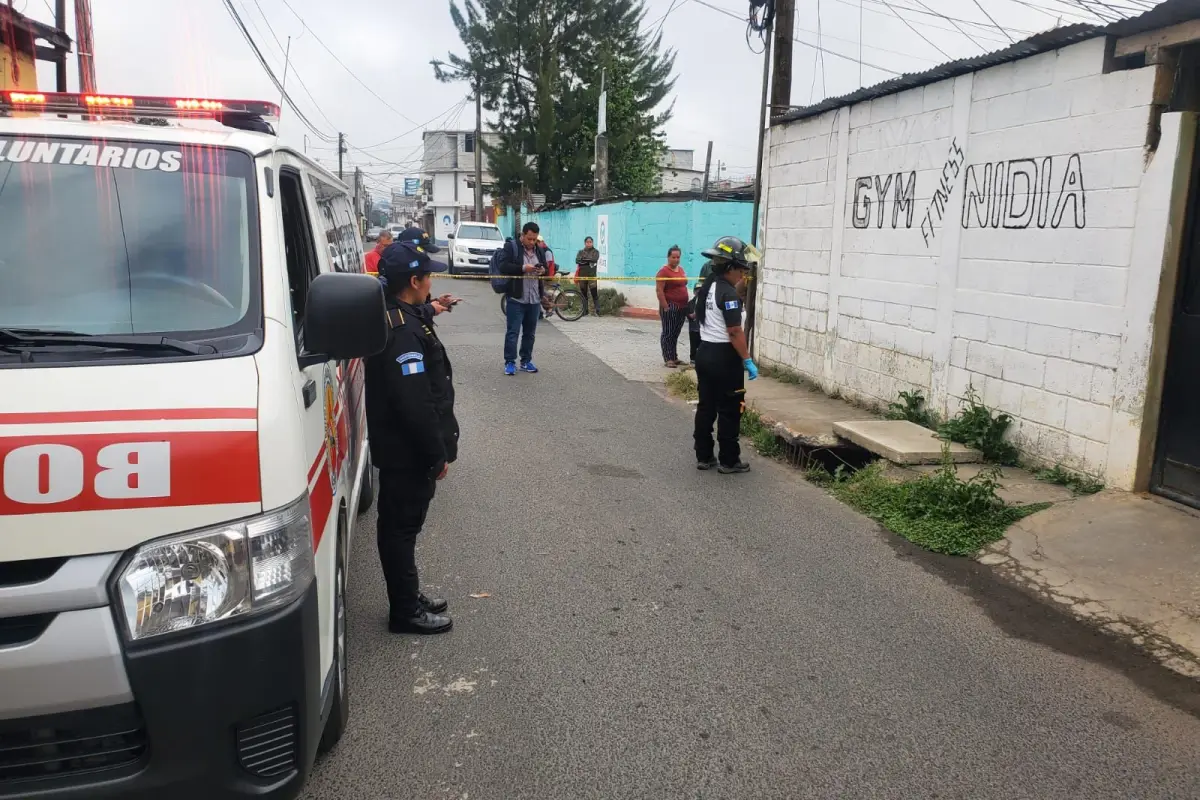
672, 323
587, 287
522, 319
721, 381
403, 503
694, 345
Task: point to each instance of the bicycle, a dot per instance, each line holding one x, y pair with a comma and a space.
566, 303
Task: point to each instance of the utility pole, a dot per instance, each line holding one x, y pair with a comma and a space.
707, 167
60, 65
781, 82
341, 152
83, 46
779, 38
720, 167
479, 150
600, 181
358, 204
762, 129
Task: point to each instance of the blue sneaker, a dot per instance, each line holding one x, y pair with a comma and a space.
510, 368
528, 366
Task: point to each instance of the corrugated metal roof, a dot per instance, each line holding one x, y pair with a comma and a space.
39, 30
1166, 13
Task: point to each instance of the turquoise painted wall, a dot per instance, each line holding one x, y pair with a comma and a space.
640, 232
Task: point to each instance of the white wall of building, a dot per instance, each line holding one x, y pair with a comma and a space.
897, 259
682, 180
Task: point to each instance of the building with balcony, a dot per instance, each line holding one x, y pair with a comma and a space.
448, 180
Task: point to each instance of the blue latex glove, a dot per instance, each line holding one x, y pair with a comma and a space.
751, 368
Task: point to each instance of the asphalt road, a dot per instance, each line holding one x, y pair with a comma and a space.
651, 631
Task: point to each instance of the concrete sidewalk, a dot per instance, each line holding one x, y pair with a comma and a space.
1129, 564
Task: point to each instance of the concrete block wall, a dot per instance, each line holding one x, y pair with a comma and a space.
978, 233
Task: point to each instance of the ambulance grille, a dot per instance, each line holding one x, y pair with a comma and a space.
64, 745
268, 745
21, 630
16, 573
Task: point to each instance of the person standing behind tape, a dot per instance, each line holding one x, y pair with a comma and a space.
722, 359
586, 261
412, 431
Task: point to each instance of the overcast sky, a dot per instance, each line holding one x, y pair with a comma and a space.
186, 47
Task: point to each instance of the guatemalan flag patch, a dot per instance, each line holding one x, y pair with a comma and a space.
411, 363
731, 305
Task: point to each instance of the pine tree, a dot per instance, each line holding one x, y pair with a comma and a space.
538, 64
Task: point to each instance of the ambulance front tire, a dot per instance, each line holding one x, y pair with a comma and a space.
339, 709
366, 495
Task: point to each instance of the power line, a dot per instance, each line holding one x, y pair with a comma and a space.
663, 20
898, 7
957, 27
917, 32
989, 16
462, 104
407, 163
825, 90
416, 128
237, 19
1075, 16
834, 53
349, 71
294, 71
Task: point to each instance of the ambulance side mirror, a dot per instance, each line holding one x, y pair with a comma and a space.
345, 318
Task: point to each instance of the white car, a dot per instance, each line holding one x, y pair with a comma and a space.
395, 229
472, 245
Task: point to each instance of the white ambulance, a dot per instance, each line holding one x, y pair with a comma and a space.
182, 448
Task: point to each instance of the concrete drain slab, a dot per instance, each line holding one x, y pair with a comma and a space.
902, 442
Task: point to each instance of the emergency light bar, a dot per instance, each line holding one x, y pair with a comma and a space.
115, 105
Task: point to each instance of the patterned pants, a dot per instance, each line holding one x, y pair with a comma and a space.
672, 323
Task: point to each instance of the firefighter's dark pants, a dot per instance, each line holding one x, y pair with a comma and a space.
721, 380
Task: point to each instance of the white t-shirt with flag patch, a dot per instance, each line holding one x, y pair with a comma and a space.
722, 311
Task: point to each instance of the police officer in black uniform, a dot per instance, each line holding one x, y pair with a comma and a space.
722, 359
413, 432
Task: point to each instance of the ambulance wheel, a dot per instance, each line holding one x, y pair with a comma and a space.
339, 709
366, 495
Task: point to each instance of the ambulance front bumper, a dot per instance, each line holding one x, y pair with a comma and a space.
227, 713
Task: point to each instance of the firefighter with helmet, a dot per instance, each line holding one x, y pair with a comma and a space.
723, 359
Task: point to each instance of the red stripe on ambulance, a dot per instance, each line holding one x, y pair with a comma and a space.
126, 415
100, 472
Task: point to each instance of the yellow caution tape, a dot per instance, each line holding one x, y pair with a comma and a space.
564, 279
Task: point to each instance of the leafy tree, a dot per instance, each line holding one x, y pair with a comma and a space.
538, 65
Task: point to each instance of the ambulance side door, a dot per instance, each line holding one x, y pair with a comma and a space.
308, 257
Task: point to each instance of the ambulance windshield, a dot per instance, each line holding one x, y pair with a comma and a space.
110, 237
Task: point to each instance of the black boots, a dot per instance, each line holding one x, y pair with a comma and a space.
428, 618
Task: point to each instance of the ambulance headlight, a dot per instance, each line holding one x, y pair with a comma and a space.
218, 573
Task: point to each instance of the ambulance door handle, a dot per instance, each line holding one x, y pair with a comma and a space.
310, 393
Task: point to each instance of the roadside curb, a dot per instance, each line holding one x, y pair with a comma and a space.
639, 313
